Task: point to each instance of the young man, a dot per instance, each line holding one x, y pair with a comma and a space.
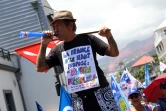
135, 99
77, 57
162, 101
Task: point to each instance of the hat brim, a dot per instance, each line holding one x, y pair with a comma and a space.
133, 93
140, 88
73, 20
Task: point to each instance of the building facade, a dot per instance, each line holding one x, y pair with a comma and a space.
22, 15
18, 77
160, 40
10, 95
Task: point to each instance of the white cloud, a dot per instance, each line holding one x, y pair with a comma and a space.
128, 19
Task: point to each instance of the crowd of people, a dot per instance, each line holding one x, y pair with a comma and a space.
139, 102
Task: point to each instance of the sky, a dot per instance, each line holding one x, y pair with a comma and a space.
128, 19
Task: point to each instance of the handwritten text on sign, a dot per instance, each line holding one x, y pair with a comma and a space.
80, 70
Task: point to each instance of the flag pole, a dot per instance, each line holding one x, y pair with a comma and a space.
93, 32
89, 32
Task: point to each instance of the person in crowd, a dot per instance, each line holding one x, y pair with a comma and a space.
135, 98
162, 101
145, 102
141, 89
85, 47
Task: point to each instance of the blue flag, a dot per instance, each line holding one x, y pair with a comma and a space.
39, 108
127, 82
125, 78
119, 96
147, 78
65, 100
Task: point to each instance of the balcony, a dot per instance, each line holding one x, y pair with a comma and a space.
160, 37
6, 62
5, 54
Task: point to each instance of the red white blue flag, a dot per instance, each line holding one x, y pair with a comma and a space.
30, 52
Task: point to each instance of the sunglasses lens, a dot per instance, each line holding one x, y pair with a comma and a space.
163, 87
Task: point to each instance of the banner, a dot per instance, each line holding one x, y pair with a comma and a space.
127, 82
65, 100
147, 77
80, 69
119, 97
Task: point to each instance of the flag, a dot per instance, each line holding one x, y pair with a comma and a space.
65, 100
162, 67
119, 97
30, 52
39, 108
127, 82
147, 77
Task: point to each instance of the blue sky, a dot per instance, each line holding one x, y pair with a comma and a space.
128, 19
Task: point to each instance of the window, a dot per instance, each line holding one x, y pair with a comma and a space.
162, 45
165, 32
9, 100
158, 49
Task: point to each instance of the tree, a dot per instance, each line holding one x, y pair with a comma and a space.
118, 76
140, 74
121, 64
155, 58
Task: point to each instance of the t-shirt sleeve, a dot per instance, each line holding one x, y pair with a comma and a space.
99, 45
52, 58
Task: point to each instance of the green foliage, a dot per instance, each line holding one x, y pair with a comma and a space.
150, 67
119, 76
121, 64
155, 58
129, 68
140, 74
120, 73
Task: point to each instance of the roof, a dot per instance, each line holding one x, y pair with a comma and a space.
162, 25
143, 60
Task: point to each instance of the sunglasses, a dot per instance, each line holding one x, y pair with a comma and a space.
132, 96
141, 89
163, 87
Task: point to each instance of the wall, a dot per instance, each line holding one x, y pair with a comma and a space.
20, 15
38, 87
8, 82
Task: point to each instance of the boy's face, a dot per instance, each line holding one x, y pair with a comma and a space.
135, 99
